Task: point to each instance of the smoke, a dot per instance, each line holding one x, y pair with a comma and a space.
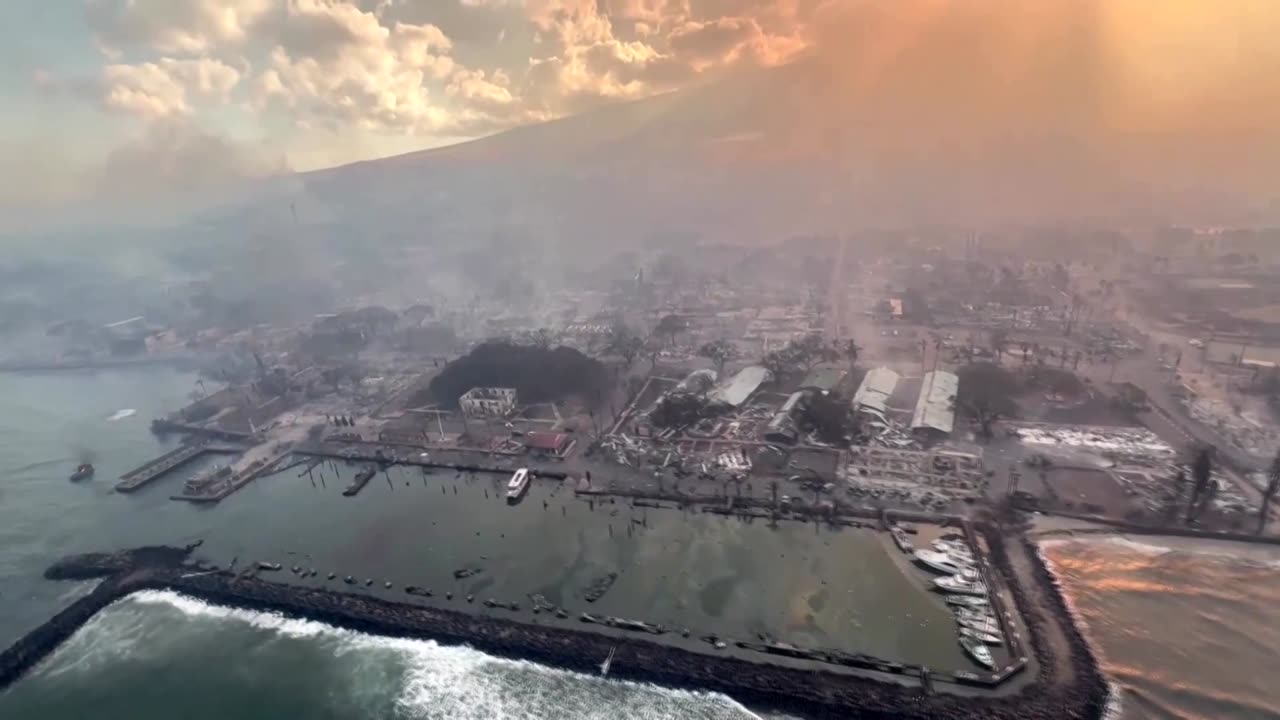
176, 157
1057, 108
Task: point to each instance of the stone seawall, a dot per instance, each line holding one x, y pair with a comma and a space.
759, 684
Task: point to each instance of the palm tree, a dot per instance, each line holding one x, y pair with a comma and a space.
1273, 485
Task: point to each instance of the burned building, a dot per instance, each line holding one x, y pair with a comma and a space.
488, 401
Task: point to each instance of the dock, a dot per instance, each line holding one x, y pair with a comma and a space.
215, 492
153, 469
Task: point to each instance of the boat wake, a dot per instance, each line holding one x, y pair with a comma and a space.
418, 679
122, 414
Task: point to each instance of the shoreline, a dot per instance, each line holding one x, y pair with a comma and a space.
1047, 529
767, 686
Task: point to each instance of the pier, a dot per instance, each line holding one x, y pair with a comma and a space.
153, 469
387, 455
216, 488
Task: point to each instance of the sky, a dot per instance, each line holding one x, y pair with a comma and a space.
101, 86
104, 97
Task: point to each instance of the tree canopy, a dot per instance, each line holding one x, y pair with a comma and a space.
538, 374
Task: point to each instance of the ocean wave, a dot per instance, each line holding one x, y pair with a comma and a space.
1113, 710
459, 683
1145, 548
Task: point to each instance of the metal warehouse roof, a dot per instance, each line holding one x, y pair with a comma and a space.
825, 379
875, 390
936, 406
739, 388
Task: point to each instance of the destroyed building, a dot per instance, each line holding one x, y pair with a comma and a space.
735, 391
824, 379
782, 426
873, 394
488, 401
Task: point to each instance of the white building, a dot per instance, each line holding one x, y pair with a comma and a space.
488, 401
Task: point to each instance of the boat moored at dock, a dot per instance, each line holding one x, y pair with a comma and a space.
961, 586
941, 562
978, 651
518, 483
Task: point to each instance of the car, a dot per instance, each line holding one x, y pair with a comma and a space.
1196, 343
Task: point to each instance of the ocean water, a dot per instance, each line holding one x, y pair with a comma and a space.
164, 655
1185, 630
161, 655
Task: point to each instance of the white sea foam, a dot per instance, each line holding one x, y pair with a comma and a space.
461, 683
1137, 546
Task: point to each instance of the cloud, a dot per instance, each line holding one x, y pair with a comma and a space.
174, 26
340, 65
163, 89
393, 66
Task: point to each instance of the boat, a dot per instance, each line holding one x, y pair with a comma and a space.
83, 472
984, 637
900, 538
263, 565
604, 666
940, 562
518, 483
954, 549
978, 651
980, 625
961, 586
973, 601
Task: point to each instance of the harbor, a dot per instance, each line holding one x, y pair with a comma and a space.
769, 675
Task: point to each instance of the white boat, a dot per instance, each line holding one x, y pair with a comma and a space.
961, 586
984, 637
975, 614
954, 549
983, 626
978, 651
940, 562
972, 601
900, 538
518, 483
